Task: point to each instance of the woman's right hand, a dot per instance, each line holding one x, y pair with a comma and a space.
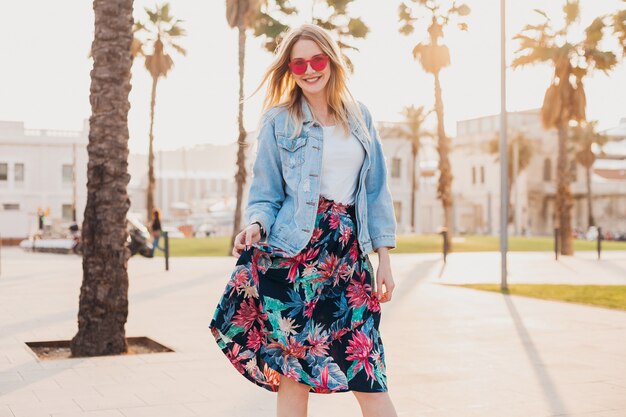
251, 234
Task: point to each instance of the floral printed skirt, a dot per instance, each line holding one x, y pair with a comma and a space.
311, 317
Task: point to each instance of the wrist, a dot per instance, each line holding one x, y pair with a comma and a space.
383, 253
261, 228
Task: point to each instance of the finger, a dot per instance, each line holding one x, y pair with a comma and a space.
390, 289
248, 237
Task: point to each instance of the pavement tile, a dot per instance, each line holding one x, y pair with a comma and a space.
5, 411
18, 397
169, 410
37, 409
117, 401
100, 413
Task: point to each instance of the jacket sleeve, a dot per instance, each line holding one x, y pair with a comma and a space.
381, 218
266, 193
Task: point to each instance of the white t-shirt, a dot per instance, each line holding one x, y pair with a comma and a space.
342, 159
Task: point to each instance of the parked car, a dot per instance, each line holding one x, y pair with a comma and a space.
173, 232
204, 230
137, 241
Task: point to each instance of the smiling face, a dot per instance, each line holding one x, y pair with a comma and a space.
312, 82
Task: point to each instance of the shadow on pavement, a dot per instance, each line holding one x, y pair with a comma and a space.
549, 389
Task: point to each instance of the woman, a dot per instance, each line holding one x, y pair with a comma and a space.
155, 230
299, 313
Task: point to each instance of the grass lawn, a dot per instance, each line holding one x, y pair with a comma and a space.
218, 246
198, 246
433, 243
609, 296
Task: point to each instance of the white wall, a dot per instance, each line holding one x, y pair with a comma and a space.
43, 154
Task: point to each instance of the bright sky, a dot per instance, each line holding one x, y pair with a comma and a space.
44, 77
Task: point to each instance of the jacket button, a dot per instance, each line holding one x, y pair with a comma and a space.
306, 230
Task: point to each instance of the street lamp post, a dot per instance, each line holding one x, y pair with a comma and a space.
504, 205
74, 182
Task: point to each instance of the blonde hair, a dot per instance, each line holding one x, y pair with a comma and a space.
283, 90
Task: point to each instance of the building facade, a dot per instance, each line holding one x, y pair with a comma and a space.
425, 216
196, 185
476, 183
37, 172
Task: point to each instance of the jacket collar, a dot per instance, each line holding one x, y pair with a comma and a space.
353, 124
306, 111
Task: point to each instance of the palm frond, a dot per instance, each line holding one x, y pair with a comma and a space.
594, 33
357, 28
536, 54
602, 60
571, 9
165, 13
542, 13
176, 31
179, 49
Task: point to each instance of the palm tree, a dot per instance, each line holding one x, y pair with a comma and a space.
163, 33
413, 131
525, 151
241, 15
103, 305
433, 57
564, 100
584, 135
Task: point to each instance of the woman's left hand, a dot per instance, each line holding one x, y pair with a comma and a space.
384, 277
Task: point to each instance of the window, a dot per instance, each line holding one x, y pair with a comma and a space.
11, 206
397, 208
547, 169
395, 167
473, 175
67, 174
67, 212
19, 172
4, 171
482, 174
573, 170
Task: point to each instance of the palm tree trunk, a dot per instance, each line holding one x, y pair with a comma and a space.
151, 180
444, 188
241, 175
590, 219
563, 193
103, 304
413, 185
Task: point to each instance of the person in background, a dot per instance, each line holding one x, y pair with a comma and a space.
155, 230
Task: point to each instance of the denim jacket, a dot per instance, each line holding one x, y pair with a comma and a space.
284, 192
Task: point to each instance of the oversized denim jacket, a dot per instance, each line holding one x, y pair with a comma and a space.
284, 192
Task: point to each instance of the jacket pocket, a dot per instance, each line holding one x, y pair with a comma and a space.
291, 150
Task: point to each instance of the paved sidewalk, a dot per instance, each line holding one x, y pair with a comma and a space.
450, 351
533, 267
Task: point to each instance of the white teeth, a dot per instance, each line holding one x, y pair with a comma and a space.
312, 80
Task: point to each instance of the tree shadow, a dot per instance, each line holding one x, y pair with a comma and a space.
406, 286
